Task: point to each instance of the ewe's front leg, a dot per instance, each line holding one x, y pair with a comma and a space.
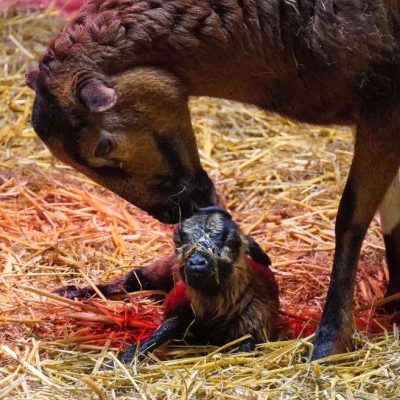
375, 164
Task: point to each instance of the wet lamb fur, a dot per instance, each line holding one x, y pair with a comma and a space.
112, 92
222, 289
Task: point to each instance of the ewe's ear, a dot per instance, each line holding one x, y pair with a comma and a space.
31, 77
255, 251
96, 95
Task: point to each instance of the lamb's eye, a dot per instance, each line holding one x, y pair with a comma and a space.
104, 148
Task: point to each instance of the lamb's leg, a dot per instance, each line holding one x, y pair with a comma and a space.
374, 166
156, 276
172, 328
247, 345
390, 223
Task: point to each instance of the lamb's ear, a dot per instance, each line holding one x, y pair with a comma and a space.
31, 77
96, 95
255, 251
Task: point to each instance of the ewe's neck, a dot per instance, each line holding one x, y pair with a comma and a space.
117, 34
216, 46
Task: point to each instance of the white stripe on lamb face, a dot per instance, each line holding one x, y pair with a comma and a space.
390, 207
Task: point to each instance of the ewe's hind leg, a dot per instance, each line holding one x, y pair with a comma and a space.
389, 211
374, 166
390, 222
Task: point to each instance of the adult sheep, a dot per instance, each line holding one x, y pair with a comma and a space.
112, 91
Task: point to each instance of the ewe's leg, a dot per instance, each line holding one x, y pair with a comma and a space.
374, 166
389, 211
390, 222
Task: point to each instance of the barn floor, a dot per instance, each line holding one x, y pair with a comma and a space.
282, 183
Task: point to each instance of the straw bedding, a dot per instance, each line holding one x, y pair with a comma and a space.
282, 182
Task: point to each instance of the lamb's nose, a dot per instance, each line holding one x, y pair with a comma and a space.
197, 263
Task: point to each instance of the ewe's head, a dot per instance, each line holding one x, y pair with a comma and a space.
130, 132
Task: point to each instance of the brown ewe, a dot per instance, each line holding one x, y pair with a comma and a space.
112, 91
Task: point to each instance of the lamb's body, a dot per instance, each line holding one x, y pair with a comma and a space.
223, 288
219, 318
112, 91
224, 316
210, 319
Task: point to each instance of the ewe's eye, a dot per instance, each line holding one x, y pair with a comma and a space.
104, 148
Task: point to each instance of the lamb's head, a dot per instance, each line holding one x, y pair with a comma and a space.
130, 132
210, 248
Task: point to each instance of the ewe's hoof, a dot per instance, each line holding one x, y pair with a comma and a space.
328, 346
321, 352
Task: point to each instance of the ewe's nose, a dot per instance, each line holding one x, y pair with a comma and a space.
198, 264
